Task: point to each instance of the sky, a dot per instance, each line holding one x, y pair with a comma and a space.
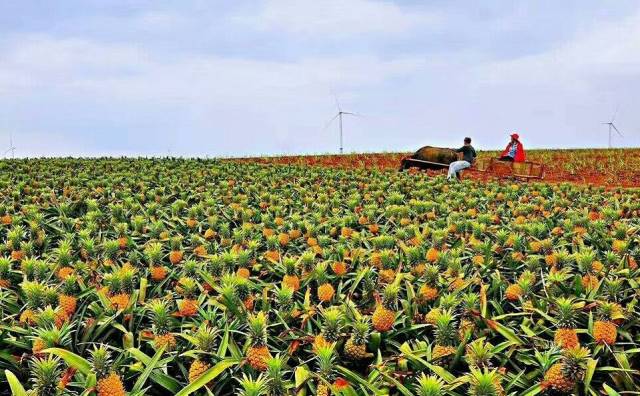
240, 78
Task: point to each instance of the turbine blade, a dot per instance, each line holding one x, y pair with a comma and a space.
616, 129
330, 121
335, 97
615, 113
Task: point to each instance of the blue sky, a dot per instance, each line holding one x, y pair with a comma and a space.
222, 78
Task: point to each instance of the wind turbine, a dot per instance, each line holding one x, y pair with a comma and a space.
11, 148
612, 127
339, 117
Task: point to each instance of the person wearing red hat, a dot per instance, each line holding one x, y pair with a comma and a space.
514, 151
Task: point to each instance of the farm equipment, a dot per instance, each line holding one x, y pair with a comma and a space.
437, 158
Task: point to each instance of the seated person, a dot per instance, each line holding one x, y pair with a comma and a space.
514, 151
468, 158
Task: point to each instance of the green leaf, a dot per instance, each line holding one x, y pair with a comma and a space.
147, 371
588, 375
77, 362
355, 378
14, 384
506, 332
208, 376
610, 391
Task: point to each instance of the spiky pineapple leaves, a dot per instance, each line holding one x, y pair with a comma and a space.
208, 376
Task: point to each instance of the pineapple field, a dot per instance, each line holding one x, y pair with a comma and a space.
210, 277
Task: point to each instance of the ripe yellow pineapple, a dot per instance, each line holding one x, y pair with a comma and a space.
605, 331
196, 369
258, 352
566, 336
291, 278
513, 292
563, 376
325, 289
385, 314
356, 346
176, 254
111, 385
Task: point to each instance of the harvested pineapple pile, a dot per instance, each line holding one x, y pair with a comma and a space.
156, 277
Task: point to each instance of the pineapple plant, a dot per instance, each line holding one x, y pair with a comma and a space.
563, 376
429, 290
385, 313
258, 351
325, 360
605, 330
162, 323
109, 381
325, 289
291, 278
205, 341
176, 254
355, 347
446, 334
67, 300
189, 305
331, 328
567, 311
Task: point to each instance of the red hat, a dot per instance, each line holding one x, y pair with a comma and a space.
515, 136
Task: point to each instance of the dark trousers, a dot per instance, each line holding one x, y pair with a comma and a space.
506, 158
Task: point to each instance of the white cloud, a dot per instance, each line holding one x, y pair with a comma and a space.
205, 97
337, 18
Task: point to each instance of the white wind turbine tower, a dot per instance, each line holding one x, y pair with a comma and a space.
339, 117
11, 148
612, 127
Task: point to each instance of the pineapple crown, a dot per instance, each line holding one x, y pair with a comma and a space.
275, 372
101, 361
574, 363
609, 311
258, 328
69, 285
110, 248
176, 242
320, 273
153, 253
361, 328
479, 353
206, 339
431, 274
325, 355
187, 287
485, 383
53, 336
253, 387
5, 267
46, 374
429, 385
243, 287
332, 325
567, 312
446, 333
390, 296
64, 252
290, 265
160, 316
